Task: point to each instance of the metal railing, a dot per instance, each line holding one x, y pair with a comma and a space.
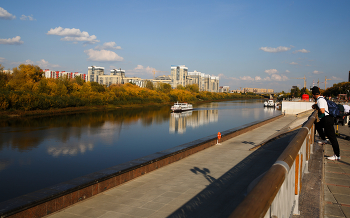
277, 192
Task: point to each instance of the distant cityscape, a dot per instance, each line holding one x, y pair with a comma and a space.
179, 76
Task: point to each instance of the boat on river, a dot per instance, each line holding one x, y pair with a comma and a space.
269, 103
179, 107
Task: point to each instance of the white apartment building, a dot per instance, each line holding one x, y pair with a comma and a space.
196, 78
178, 75
117, 76
205, 82
94, 73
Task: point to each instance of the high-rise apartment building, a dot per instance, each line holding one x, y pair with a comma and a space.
178, 75
196, 78
94, 73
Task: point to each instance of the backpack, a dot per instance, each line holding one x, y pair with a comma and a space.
333, 108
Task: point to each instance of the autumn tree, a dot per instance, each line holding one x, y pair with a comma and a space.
24, 77
78, 80
149, 85
192, 88
164, 87
4, 78
180, 87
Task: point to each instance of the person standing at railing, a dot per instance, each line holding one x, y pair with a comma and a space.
325, 126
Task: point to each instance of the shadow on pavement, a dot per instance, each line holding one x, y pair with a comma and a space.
223, 195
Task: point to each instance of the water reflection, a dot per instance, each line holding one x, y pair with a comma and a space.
28, 133
4, 164
71, 150
179, 121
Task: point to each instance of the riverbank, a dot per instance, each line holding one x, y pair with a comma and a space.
14, 114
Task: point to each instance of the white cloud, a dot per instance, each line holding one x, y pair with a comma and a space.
257, 78
277, 77
14, 41
73, 35
301, 50
30, 17
29, 62
148, 69
274, 50
271, 71
335, 78
45, 64
102, 55
2, 59
247, 78
139, 67
308, 65
317, 72
141, 71
287, 71
6, 15
108, 45
293, 63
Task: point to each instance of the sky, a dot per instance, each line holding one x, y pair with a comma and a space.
255, 44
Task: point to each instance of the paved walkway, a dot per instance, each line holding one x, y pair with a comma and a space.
210, 183
337, 178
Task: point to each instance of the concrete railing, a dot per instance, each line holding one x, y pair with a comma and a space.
277, 192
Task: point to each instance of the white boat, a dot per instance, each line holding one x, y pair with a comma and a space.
269, 103
178, 107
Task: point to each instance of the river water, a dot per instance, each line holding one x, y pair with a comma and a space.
36, 153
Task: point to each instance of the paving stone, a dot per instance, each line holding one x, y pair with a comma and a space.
339, 190
111, 214
346, 211
333, 210
342, 199
343, 182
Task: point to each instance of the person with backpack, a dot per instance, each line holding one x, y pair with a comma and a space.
326, 114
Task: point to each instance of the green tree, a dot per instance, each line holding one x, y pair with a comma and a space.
79, 80
164, 87
295, 92
97, 87
192, 88
149, 85
4, 78
180, 87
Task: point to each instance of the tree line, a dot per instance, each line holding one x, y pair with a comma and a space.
27, 89
334, 91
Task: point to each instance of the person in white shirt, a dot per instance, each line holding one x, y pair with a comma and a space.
325, 126
346, 108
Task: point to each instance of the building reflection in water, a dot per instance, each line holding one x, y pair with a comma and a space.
179, 121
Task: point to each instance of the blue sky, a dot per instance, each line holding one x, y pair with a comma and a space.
256, 44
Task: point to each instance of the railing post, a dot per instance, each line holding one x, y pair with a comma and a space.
296, 186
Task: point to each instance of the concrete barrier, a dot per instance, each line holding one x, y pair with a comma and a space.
295, 107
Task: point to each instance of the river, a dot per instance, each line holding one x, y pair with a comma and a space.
36, 153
